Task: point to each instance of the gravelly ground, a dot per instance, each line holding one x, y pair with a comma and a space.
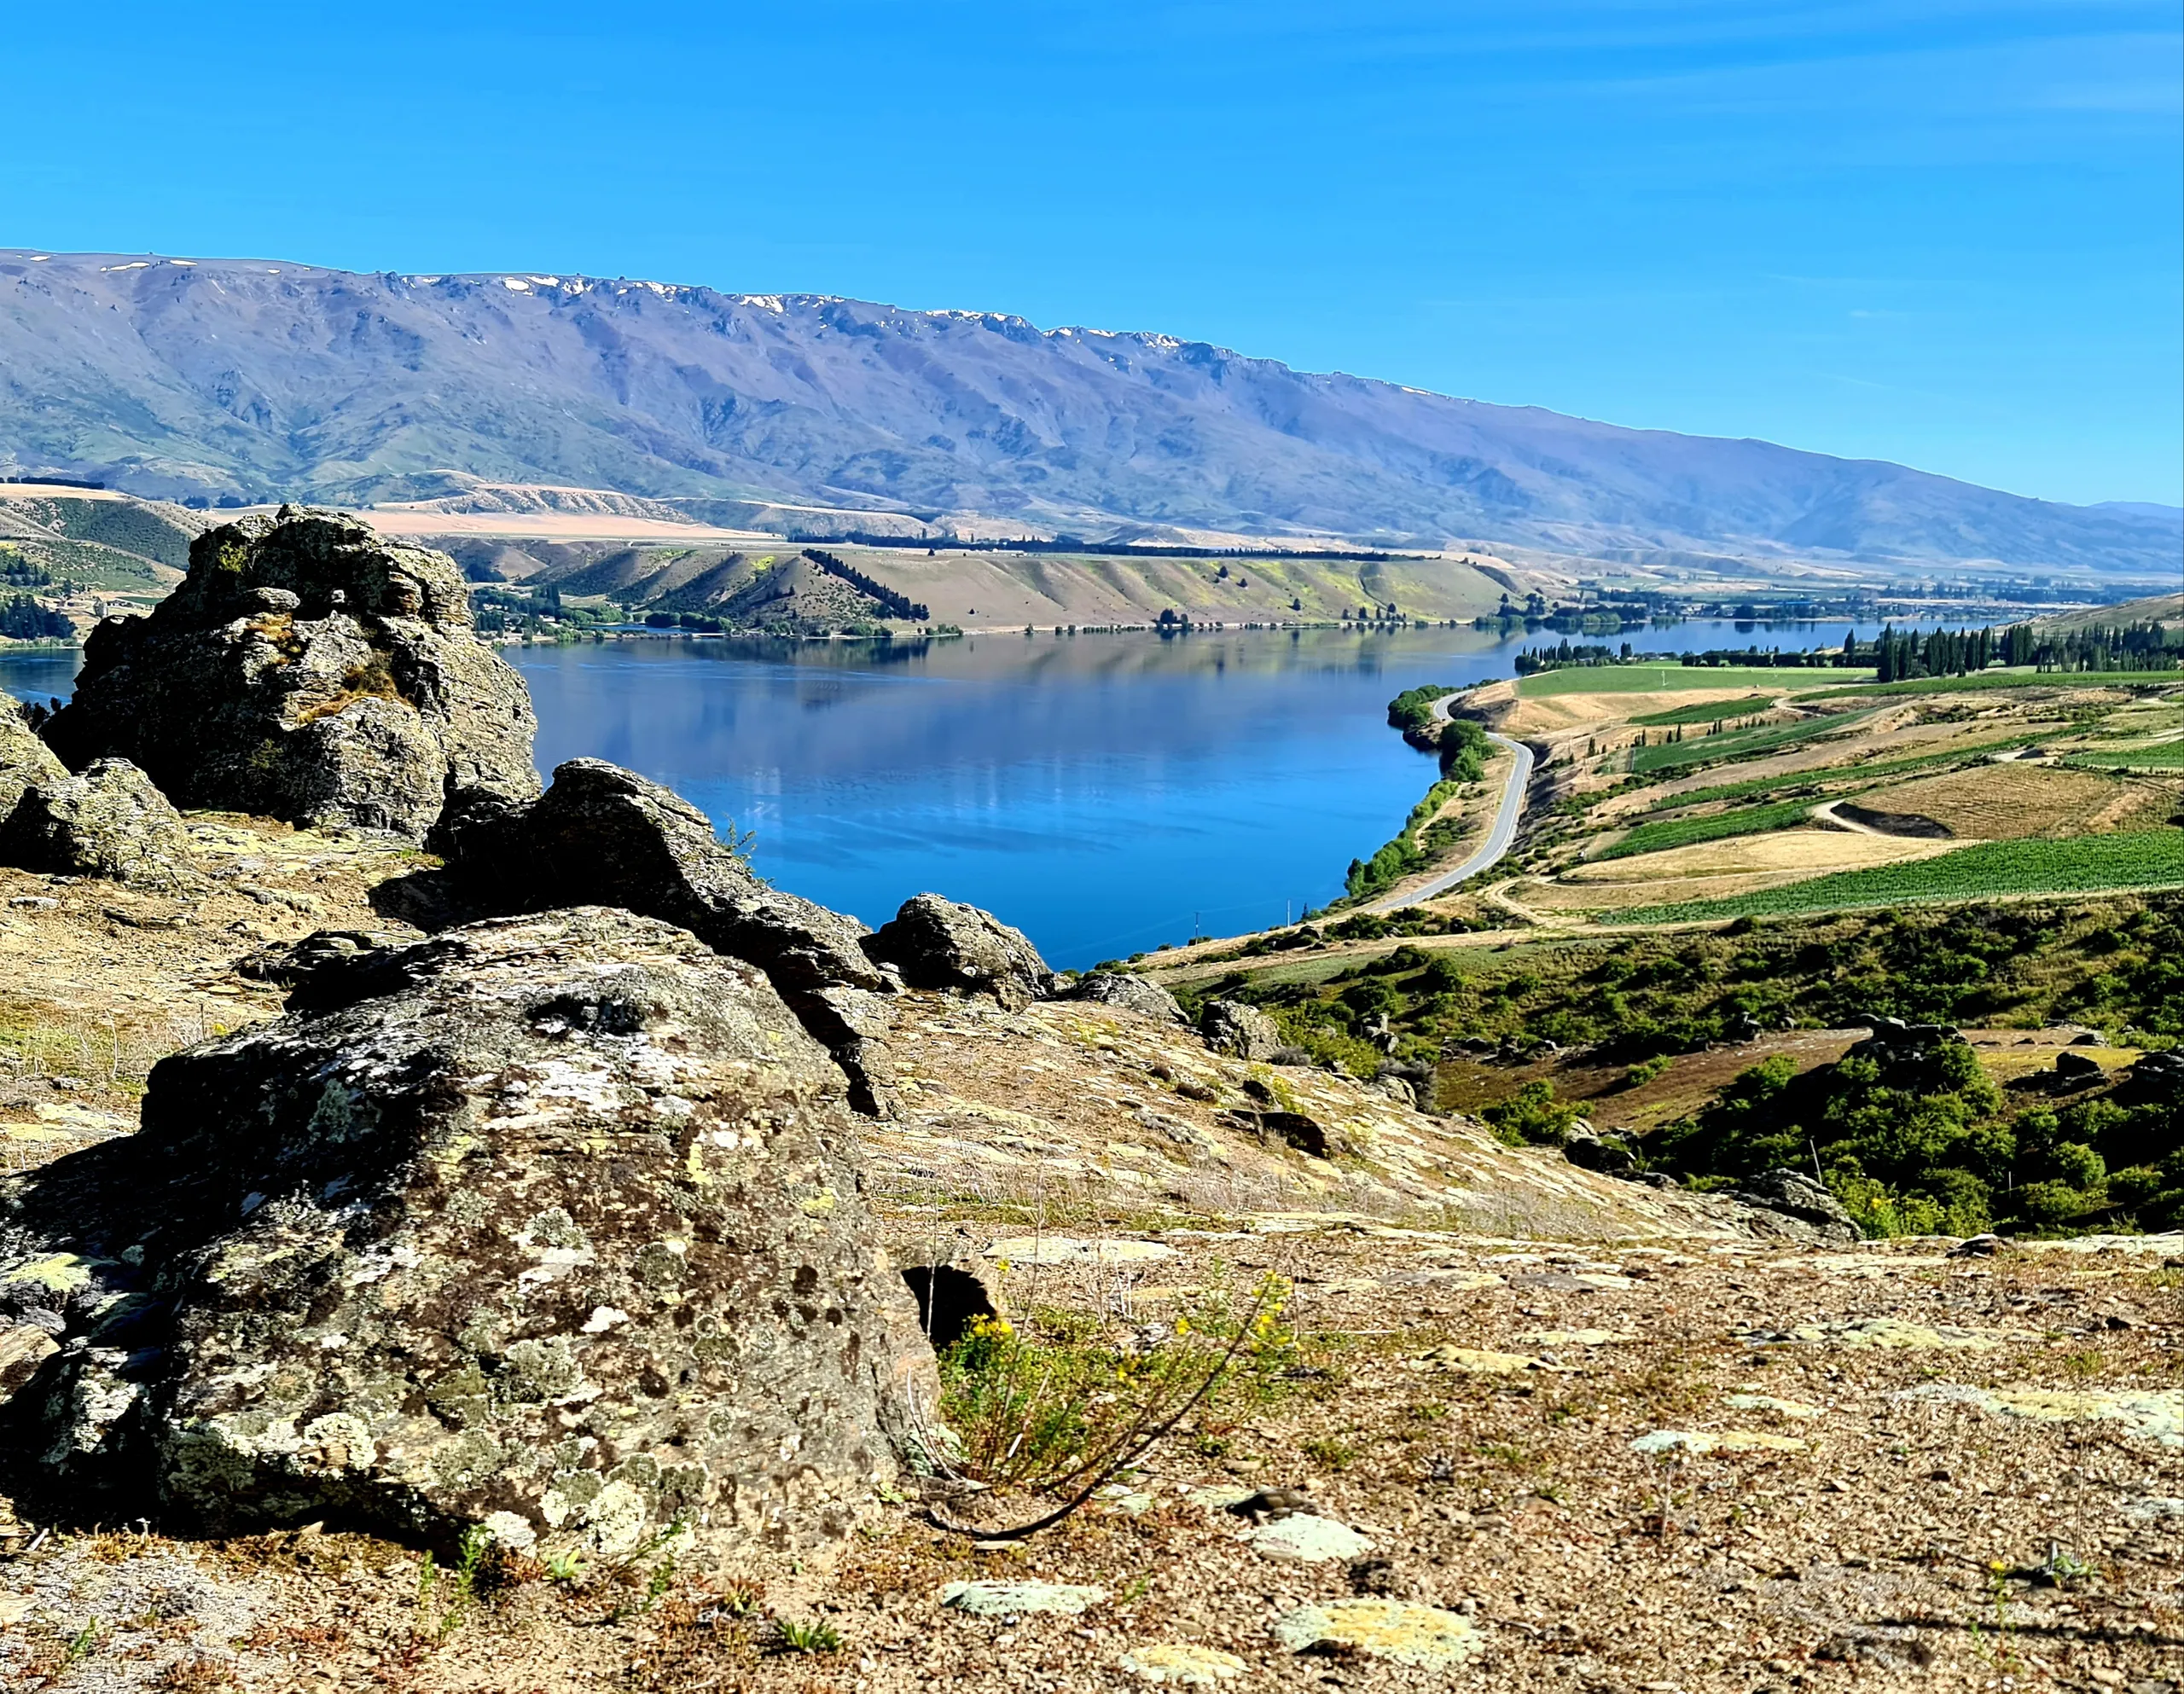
1888, 1535
1851, 1542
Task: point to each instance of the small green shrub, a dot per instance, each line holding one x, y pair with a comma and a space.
806, 1635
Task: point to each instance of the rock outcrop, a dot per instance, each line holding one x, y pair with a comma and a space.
938, 943
1815, 1214
601, 835
108, 822
26, 762
306, 670
547, 1226
1135, 994
1239, 1030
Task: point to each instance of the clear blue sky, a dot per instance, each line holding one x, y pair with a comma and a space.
1946, 233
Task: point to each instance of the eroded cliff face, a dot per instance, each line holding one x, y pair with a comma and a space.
307, 671
550, 1224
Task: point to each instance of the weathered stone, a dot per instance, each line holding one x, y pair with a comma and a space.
603, 835
940, 943
1884, 1334
1767, 1402
1715, 1440
1590, 1152
1239, 1030
108, 822
1306, 1538
1794, 1195
1181, 1664
2146, 1414
2077, 1066
1271, 1505
1399, 1631
1133, 994
994, 1598
26, 762
306, 670
1071, 1249
321, 951
547, 1227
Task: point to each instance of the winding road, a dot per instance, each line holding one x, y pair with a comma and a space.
1490, 851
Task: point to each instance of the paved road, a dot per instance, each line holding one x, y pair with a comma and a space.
1497, 838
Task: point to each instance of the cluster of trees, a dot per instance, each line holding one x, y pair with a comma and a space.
2131, 647
1929, 1145
23, 620
1563, 655
895, 605
1899, 655
1463, 747
19, 572
1793, 659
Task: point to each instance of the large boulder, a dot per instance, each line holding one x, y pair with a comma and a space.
1135, 994
938, 943
1814, 1213
1239, 1030
108, 822
26, 762
601, 835
306, 670
547, 1225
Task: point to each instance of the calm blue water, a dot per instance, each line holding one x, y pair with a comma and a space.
1105, 793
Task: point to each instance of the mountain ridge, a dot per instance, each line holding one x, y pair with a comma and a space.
255, 380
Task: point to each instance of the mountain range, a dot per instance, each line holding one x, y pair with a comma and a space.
232, 381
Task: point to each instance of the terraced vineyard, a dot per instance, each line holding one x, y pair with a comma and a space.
2139, 859
1663, 833
1736, 744
2161, 756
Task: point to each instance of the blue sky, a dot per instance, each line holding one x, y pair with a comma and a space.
1946, 233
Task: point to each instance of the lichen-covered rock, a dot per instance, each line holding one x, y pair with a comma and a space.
940, 943
549, 1227
603, 835
306, 670
1239, 1030
1133, 994
108, 822
322, 952
26, 762
1798, 1200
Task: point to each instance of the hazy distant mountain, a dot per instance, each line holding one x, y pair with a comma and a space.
258, 379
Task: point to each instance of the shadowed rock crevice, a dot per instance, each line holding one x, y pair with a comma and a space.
545, 1224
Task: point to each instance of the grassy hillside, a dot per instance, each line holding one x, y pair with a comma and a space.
1708, 1054
96, 541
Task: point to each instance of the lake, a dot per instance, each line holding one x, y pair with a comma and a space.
1104, 793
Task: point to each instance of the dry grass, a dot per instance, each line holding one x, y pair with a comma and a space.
1711, 869
2015, 800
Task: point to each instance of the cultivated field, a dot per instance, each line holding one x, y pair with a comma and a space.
1671, 792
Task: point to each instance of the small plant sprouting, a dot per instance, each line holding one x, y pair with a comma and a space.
444, 1599
566, 1567
1330, 1451
82, 1643
805, 1635
738, 1600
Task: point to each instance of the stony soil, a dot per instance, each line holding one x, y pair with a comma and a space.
1994, 1498
1886, 1532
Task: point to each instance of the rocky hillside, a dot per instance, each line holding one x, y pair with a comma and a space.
271, 381
562, 1261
